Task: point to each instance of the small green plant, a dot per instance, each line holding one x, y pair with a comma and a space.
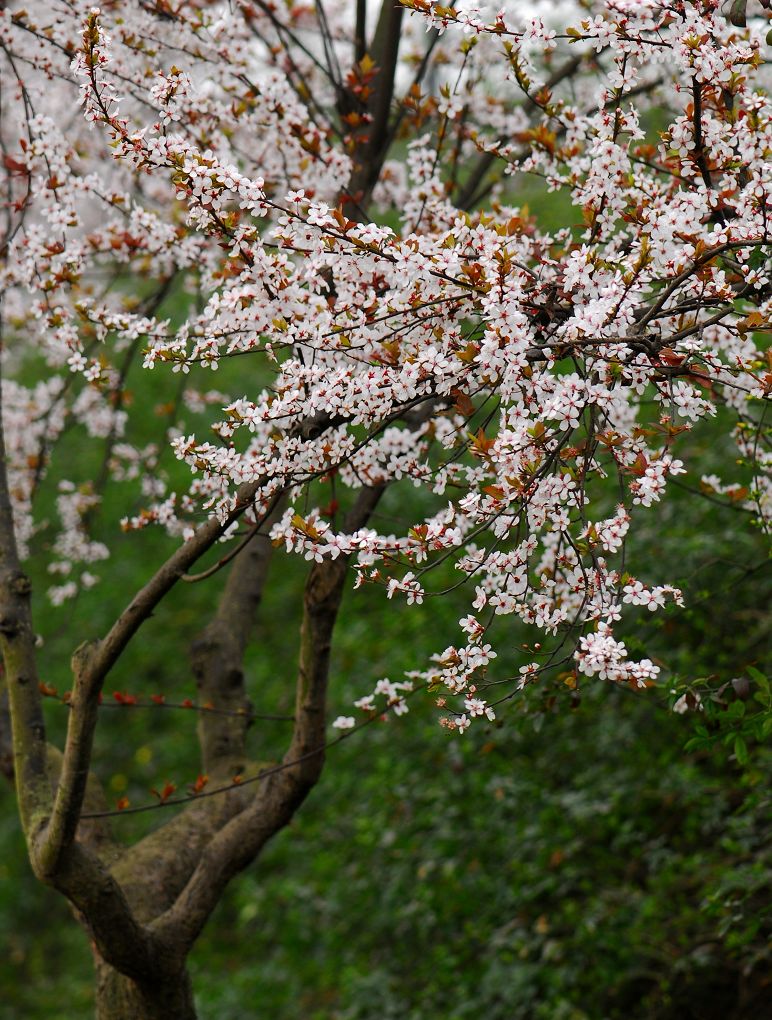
736, 714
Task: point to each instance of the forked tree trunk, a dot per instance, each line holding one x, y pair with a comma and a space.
120, 998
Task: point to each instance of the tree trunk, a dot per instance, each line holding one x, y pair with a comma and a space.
120, 998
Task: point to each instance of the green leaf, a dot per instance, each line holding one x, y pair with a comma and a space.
736, 710
758, 676
737, 13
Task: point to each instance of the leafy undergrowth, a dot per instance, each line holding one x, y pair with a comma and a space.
590, 870
563, 863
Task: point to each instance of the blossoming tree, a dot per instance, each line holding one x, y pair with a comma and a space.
326, 196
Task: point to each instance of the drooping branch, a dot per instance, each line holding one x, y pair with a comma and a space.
107, 651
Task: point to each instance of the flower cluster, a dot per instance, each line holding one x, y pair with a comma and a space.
531, 384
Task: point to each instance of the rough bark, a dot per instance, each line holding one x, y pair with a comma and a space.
155, 870
120, 998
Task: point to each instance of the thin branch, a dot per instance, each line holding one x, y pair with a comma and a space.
360, 42
469, 195
144, 602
